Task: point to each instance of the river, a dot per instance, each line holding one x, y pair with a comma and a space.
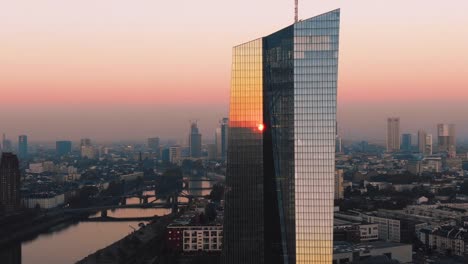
71, 243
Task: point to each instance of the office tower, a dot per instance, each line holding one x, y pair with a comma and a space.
85, 142
9, 183
6, 144
338, 144
364, 146
88, 152
422, 141
338, 147
174, 154
86, 149
428, 145
281, 155
165, 155
393, 134
446, 139
222, 138
339, 188
63, 148
153, 145
195, 139
22, 146
406, 142
218, 142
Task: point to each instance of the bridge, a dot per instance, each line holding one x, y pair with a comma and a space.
118, 219
122, 206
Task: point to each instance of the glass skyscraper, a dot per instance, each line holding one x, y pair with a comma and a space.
22, 146
63, 148
195, 141
281, 154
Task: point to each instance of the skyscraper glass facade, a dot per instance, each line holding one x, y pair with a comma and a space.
22, 146
63, 147
280, 164
195, 141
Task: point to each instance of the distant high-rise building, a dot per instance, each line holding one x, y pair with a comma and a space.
281, 150
195, 141
406, 142
63, 148
393, 134
165, 155
428, 145
6, 144
9, 183
338, 144
86, 149
153, 145
174, 154
446, 139
22, 146
222, 138
424, 143
88, 152
364, 146
85, 142
339, 187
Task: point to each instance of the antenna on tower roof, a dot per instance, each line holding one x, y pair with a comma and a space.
296, 11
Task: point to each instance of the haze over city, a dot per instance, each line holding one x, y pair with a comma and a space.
113, 70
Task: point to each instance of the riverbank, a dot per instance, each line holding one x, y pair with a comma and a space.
31, 229
142, 246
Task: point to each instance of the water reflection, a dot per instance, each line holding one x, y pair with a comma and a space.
71, 243
199, 188
74, 242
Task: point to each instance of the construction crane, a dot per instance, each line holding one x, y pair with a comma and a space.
296, 11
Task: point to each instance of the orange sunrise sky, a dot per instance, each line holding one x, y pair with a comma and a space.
118, 70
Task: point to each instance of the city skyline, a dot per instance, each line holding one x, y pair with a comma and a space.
227, 132
120, 70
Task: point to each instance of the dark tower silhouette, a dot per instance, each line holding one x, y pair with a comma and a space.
9, 183
195, 139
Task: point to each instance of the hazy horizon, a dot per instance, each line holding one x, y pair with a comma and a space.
116, 70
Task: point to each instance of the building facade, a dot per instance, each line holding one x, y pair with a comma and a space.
6, 144
222, 138
339, 187
428, 145
424, 143
196, 238
393, 134
88, 152
63, 148
22, 146
280, 161
85, 142
406, 143
446, 139
153, 145
9, 183
175, 154
195, 141
445, 239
